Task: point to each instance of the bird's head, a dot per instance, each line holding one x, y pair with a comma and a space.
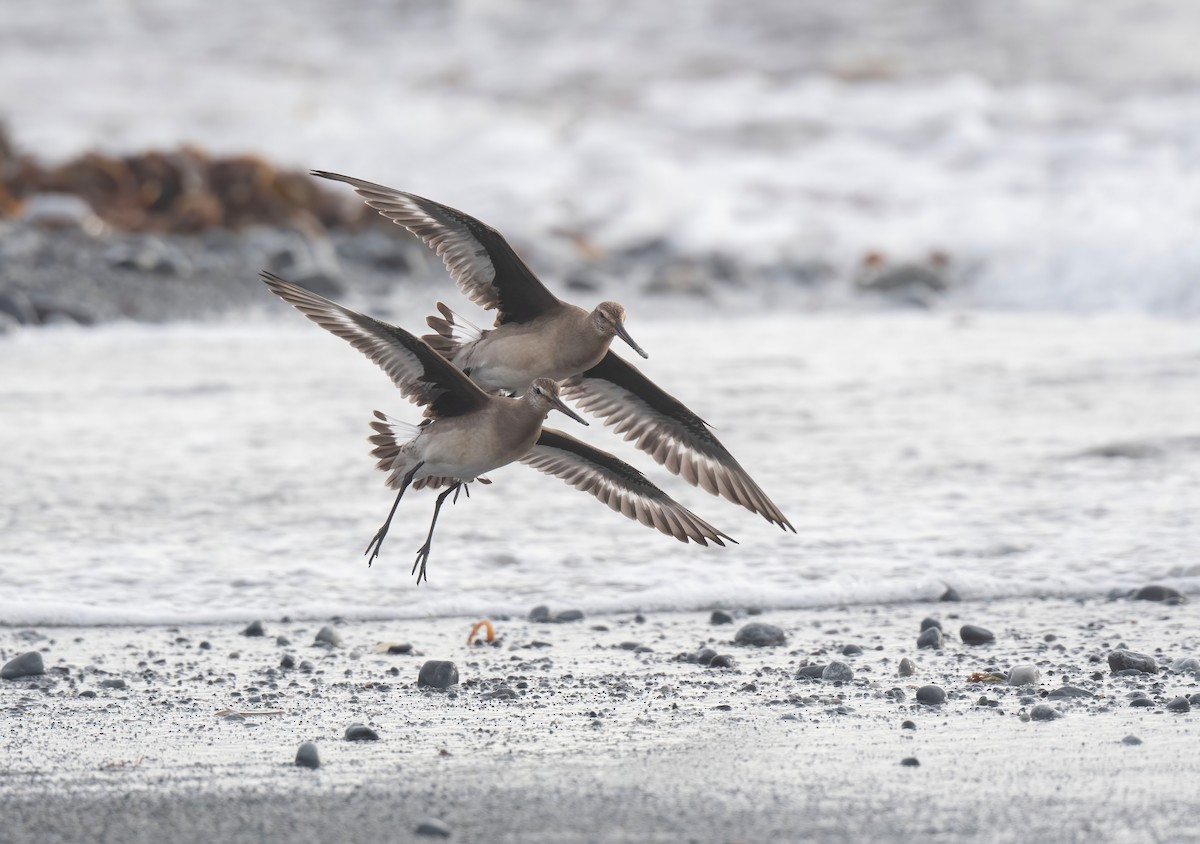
609, 319
543, 394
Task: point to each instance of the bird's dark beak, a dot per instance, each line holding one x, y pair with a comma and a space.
559, 404
624, 335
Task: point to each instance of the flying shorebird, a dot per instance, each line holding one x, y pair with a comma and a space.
537, 335
467, 432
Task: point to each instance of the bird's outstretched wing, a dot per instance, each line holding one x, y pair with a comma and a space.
479, 259
619, 485
423, 376
663, 427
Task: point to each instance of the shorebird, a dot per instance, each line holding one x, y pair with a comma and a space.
467, 432
537, 335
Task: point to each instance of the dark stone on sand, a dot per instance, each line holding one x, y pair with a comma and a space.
282, 641
852, 650
361, 732
721, 661
1123, 660
306, 666
205, 646
26, 665
438, 674
928, 622
501, 693
434, 828
908, 725
931, 638
629, 646
951, 594
540, 613
906, 668
1070, 692
1179, 704
837, 672
88, 694
112, 683
401, 648
306, 756
328, 637
705, 655
910, 762
567, 616
895, 693
931, 695
1131, 740
1044, 712
288, 661
973, 635
255, 628
1023, 675
1141, 701
720, 617
1154, 592
811, 672
756, 634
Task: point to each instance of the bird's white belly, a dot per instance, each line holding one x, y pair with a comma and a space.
457, 457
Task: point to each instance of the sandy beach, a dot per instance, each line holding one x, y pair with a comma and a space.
601, 729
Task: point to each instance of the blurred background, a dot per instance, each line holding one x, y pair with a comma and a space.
930, 267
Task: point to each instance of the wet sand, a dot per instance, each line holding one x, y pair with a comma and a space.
606, 731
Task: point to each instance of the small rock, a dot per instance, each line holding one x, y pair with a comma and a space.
568, 615
630, 646
906, 668
756, 634
1155, 592
438, 674
928, 622
811, 672
400, 648
931, 638
1131, 740
1141, 701
1044, 712
1179, 704
721, 661
26, 665
910, 762
328, 637
501, 693
951, 594
540, 613
931, 695
1070, 692
1023, 675
255, 628
908, 725
972, 635
1123, 660
852, 650
705, 655
361, 732
433, 827
837, 672
282, 641
306, 756
288, 662
1187, 665
112, 683
720, 617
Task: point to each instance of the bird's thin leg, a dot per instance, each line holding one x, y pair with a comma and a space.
377, 542
423, 551
465, 488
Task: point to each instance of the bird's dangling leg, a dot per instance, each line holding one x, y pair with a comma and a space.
423, 551
377, 542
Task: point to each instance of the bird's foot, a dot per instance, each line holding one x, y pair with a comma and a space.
377, 544
419, 566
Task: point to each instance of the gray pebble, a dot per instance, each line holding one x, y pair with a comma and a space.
234, 718
287, 662
1141, 701
811, 672
931, 637
1154, 592
951, 594
908, 725
438, 674
540, 613
928, 622
1131, 740
112, 683
837, 672
328, 637
1187, 665
705, 655
433, 827
360, 732
629, 646
756, 634
255, 628
501, 693
931, 695
306, 666
282, 641
1179, 704
1069, 692
400, 648
1123, 660
852, 650
568, 615
1023, 675
720, 617
973, 635
906, 668
306, 756
26, 665
910, 762
721, 661
1044, 712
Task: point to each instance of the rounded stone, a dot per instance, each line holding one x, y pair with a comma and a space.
254, 628
26, 665
910, 762
931, 695
287, 661
360, 732
1044, 712
438, 674
568, 615
852, 650
1154, 592
1179, 704
1023, 675
540, 613
1070, 692
721, 661
931, 637
112, 683
908, 725
928, 622
837, 672
756, 634
434, 828
720, 617
1131, 740
811, 672
1186, 665
307, 757
705, 655
906, 668
974, 635
1126, 660
328, 637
